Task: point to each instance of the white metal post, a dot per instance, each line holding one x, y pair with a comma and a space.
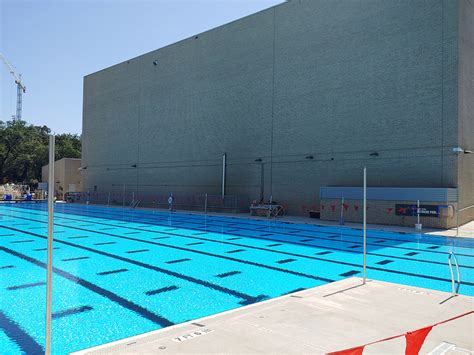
418, 226
224, 162
457, 212
364, 274
123, 196
418, 211
49, 264
341, 218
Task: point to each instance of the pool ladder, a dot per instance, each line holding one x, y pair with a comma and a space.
454, 289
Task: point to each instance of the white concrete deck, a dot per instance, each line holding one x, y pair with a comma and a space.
328, 318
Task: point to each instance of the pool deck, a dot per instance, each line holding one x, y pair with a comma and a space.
327, 318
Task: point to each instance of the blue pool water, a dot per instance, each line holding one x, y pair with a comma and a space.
119, 273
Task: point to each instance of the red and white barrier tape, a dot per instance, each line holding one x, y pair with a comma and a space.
414, 339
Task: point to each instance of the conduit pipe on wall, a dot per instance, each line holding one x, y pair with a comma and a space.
224, 163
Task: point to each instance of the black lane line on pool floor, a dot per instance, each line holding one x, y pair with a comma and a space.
257, 264
283, 252
26, 342
76, 258
297, 273
286, 270
18, 287
6, 267
285, 261
227, 274
161, 290
141, 311
188, 217
222, 224
350, 273
137, 251
295, 242
177, 261
111, 272
384, 262
70, 312
247, 299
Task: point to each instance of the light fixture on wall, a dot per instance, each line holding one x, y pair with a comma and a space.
259, 160
374, 154
155, 62
134, 165
309, 157
458, 150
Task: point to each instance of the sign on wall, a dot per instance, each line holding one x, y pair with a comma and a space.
412, 210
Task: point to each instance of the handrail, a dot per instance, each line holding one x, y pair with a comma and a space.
453, 289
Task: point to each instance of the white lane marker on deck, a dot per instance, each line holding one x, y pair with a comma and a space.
192, 335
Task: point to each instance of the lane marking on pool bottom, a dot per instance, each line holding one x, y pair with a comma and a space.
158, 218
253, 263
141, 311
70, 312
34, 284
322, 239
297, 273
247, 299
14, 332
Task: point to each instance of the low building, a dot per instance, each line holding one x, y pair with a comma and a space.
67, 176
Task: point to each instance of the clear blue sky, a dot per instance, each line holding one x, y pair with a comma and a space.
55, 43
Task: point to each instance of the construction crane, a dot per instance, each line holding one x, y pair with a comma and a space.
20, 88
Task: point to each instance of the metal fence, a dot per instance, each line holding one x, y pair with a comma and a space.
174, 201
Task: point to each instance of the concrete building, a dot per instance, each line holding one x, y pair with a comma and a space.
300, 96
67, 176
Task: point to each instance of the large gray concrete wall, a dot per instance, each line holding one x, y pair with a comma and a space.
466, 107
333, 79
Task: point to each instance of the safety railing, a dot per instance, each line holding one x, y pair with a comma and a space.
454, 289
175, 201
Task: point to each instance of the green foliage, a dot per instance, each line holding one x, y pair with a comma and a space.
24, 150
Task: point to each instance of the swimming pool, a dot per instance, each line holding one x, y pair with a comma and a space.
121, 272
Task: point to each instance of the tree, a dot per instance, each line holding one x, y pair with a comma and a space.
24, 150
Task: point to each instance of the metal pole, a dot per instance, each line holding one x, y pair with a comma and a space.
341, 219
50, 245
418, 211
123, 196
205, 205
457, 212
224, 158
364, 273
108, 200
